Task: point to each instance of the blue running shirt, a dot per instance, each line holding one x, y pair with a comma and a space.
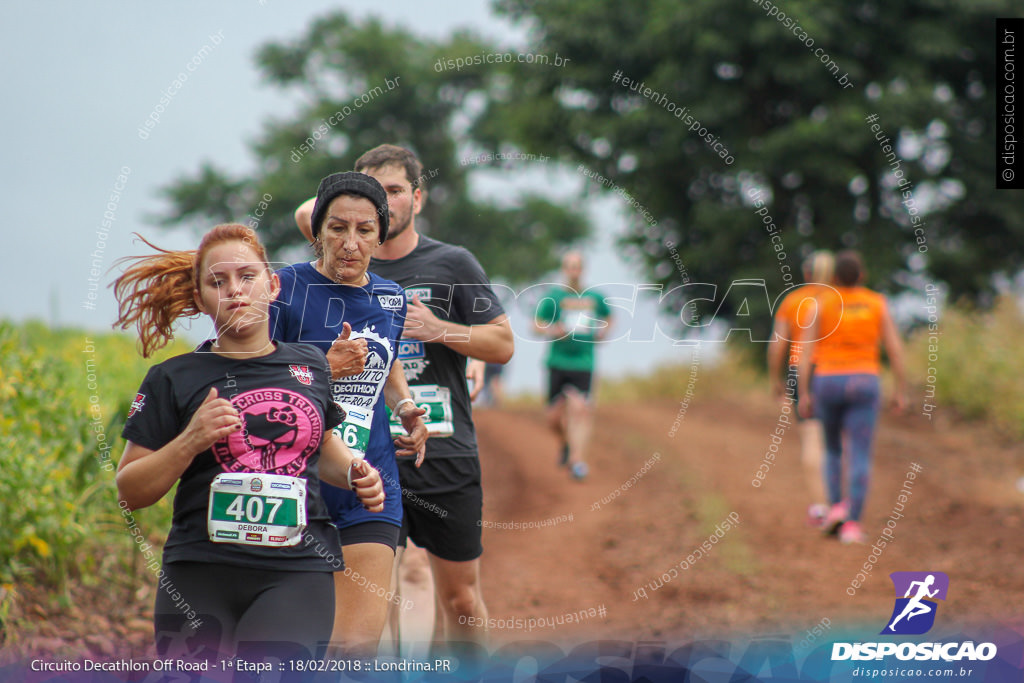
311, 309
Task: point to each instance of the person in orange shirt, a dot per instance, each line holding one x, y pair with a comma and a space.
844, 393
793, 318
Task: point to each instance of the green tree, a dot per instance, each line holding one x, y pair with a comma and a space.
794, 123
381, 85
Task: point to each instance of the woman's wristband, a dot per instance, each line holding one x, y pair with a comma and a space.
398, 406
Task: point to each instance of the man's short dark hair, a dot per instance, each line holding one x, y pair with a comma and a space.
392, 155
849, 268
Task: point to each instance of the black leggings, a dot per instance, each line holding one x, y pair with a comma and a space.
207, 611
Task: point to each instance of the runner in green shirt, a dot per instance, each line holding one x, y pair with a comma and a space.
574, 320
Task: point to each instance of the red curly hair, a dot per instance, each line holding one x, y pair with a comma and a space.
158, 289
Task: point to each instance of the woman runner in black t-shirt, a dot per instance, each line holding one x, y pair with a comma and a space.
243, 425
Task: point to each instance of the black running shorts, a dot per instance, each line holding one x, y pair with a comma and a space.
384, 533
560, 380
448, 524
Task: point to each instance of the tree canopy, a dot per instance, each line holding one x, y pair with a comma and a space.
788, 89
746, 134
357, 85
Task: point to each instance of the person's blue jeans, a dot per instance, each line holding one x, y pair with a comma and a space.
847, 404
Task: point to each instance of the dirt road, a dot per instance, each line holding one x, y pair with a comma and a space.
660, 488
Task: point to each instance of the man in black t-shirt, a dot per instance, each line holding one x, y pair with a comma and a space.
452, 314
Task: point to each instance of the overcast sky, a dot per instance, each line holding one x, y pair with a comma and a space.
79, 80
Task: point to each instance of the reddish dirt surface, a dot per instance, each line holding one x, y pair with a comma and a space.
769, 575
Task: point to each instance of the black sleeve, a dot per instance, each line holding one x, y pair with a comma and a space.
473, 300
153, 420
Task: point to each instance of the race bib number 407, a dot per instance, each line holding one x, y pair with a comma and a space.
256, 509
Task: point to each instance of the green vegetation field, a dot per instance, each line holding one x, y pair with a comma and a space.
974, 362
65, 394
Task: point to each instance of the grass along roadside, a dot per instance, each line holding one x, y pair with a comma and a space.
976, 362
65, 394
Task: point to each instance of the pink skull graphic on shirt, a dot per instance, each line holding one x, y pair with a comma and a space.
281, 430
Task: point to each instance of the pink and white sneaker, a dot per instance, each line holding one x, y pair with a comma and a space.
835, 518
816, 514
850, 532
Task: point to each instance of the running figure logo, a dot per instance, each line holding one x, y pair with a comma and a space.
914, 613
